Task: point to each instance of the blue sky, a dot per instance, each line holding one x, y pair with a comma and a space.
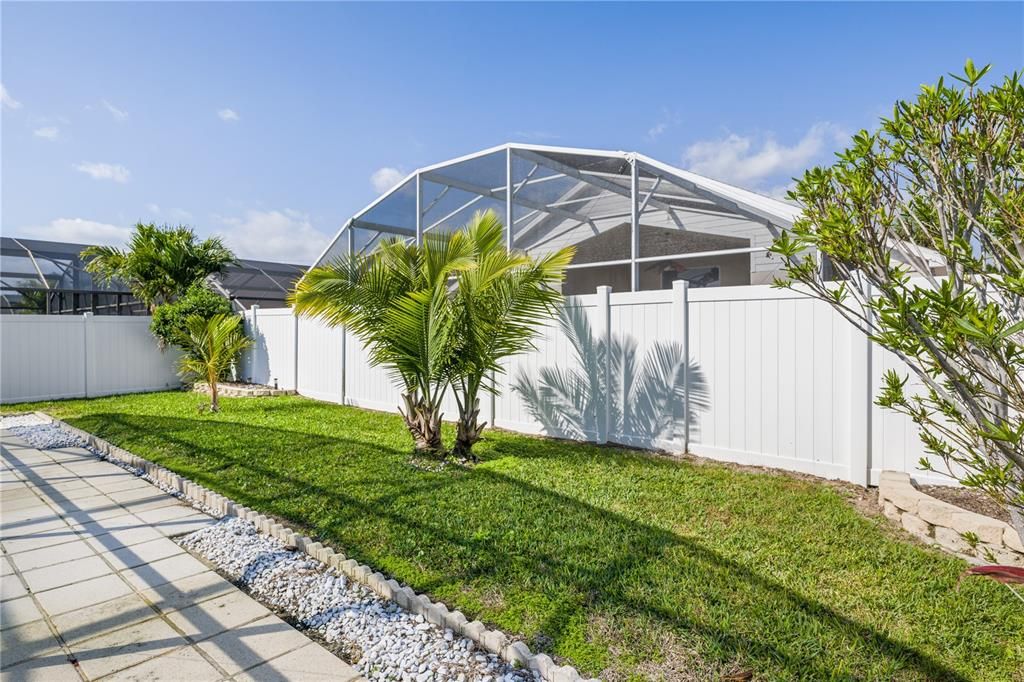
270, 124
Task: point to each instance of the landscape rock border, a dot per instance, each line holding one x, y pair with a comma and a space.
236, 391
492, 640
971, 536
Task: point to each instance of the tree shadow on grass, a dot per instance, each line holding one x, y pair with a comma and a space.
466, 532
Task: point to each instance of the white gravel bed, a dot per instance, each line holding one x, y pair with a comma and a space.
45, 435
21, 420
381, 639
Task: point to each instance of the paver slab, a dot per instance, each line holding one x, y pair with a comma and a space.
181, 664
68, 573
23, 642
98, 619
53, 667
142, 553
83, 594
15, 612
250, 645
52, 554
181, 594
311, 663
126, 647
163, 571
229, 611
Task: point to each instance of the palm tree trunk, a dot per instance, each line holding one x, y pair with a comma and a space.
424, 423
214, 403
468, 428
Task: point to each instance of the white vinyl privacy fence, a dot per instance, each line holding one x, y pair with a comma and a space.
45, 357
751, 374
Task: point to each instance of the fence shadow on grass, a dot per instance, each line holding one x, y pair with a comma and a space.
644, 396
573, 559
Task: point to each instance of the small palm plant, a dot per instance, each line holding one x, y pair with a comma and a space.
397, 300
211, 348
501, 304
438, 315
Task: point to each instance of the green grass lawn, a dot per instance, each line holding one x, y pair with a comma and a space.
626, 565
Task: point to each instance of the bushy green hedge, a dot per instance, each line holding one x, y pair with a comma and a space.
169, 319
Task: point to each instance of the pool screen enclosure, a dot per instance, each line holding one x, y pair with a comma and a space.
637, 223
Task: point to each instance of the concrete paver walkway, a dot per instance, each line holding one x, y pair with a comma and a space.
93, 588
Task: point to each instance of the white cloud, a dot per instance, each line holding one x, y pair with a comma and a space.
228, 115
667, 120
153, 208
385, 178
79, 231
780, 191
47, 133
6, 101
104, 171
286, 235
118, 114
180, 214
750, 160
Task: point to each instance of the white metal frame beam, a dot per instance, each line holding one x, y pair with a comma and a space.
676, 256
487, 192
381, 227
419, 209
509, 199
634, 224
592, 179
750, 213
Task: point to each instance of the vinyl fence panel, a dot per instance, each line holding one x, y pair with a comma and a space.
272, 358
47, 357
320, 360
776, 378
752, 375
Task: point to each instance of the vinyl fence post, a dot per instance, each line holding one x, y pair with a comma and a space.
88, 354
604, 320
255, 348
861, 404
681, 335
295, 348
350, 248
487, 403
344, 360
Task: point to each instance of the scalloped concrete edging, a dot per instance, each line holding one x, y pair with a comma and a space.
972, 536
494, 641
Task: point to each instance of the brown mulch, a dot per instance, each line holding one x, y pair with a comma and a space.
969, 499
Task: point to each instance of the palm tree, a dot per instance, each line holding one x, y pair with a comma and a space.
501, 304
211, 347
160, 263
397, 300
